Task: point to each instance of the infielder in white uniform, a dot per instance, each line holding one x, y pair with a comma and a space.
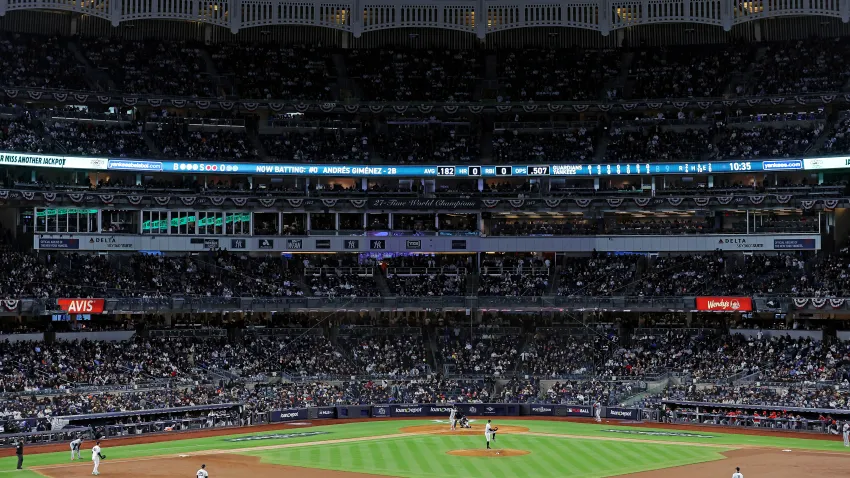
452, 417
845, 430
75, 448
597, 411
737, 473
202, 473
96, 456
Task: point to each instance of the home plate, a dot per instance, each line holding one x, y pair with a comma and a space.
187, 456
787, 450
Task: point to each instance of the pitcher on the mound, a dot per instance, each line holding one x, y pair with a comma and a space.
489, 433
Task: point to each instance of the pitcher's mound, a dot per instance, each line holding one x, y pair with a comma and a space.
489, 453
445, 430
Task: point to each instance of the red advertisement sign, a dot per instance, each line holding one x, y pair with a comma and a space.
81, 306
724, 304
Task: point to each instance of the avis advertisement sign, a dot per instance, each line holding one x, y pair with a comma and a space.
724, 304
82, 306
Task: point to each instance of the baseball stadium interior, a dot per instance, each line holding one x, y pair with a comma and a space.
212, 213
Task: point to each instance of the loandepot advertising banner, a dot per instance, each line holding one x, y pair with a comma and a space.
50, 161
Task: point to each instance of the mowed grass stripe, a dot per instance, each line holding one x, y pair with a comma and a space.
396, 457
411, 451
584, 456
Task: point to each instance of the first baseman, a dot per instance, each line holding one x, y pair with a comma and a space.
75, 448
202, 473
597, 410
845, 430
96, 456
737, 473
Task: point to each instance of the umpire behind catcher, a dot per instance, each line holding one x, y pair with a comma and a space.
19, 450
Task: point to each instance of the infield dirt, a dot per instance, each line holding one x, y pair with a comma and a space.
761, 463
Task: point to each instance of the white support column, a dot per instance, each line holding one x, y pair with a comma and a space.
309, 223
844, 8
480, 19
336, 221
726, 15
235, 16
604, 17
356, 17
114, 12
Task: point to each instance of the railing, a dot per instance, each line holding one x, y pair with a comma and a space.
339, 271
281, 331
368, 331
418, 271
520, 303
174, 333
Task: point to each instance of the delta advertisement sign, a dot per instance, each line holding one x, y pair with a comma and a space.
724, 304
82, 306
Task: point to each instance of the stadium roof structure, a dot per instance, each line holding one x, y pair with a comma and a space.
479, 17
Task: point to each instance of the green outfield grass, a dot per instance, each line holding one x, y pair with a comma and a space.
576, 451
550, 457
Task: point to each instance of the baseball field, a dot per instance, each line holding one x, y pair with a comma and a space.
426, 448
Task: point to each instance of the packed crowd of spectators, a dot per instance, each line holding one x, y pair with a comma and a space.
90, 139
556, 75
674, 227
227, 145
601, 274
393, 356
509, 284
549, 355
658, 145
829, 277
708, 274
688, 72
422, 74
266, 71
151, 67
333, 284
575, 145
792, 396
586, 392
322, 146
812, 65
767, 141
410, 143
23, 134
839, 139
544, 227
426, 285
220, 274
36, 61
494, 355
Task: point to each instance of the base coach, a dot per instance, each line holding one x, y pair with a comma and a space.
19, 450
